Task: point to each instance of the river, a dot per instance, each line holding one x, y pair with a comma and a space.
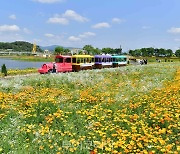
16, 64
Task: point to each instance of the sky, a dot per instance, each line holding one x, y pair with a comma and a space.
130, 24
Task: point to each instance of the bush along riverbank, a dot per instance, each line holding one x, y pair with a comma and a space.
133, 109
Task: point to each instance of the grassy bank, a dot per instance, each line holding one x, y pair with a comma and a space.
130, 109
13, 72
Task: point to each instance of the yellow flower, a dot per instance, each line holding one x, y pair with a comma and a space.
41, 147
140, 145
178, 148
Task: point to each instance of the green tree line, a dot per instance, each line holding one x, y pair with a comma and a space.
158, 52
89, 49
19, 46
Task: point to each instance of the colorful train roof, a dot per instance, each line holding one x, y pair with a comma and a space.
119, 56
82, 56
102, 56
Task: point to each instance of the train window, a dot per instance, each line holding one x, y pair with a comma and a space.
87, 60
92, 59
68, 60
78, 60
103, 60
100, 60
59, 60
96, 59
114, 60
74, 60
84, 60
119, 59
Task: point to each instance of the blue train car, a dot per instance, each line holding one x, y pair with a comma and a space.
119, 60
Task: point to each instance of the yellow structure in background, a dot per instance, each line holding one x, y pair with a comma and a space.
34, 48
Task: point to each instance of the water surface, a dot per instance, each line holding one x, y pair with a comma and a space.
16, 64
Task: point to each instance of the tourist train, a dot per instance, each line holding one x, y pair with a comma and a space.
76, 63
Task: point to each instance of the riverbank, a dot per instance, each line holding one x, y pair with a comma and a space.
13, 72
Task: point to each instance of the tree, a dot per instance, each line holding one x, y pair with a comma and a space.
66, 51
4, 69
169, 52
97, 51
131, 52
177, 53
59, 50
89, 49
107, 50
150, 51
118, 51
156, 52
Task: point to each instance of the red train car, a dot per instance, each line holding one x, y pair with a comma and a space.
61, 64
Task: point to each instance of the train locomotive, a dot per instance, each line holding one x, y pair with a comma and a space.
76, 63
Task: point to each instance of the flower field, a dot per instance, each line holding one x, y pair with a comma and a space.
132, 109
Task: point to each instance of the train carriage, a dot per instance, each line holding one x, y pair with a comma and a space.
82, 62
103, 61
62, 64
119, 60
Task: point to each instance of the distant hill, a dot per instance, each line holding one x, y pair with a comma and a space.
19, 46
50, 48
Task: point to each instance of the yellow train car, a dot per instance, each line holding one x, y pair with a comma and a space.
82, 62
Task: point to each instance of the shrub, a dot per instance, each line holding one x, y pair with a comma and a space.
4, 69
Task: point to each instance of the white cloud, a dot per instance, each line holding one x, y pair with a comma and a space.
48, 1
70, 14
12, 16
117, 20
146, 27
87, 34
81, 36
58, 20
66, 17
74, 38
9, 28
101, 25
49, 35
174, 30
